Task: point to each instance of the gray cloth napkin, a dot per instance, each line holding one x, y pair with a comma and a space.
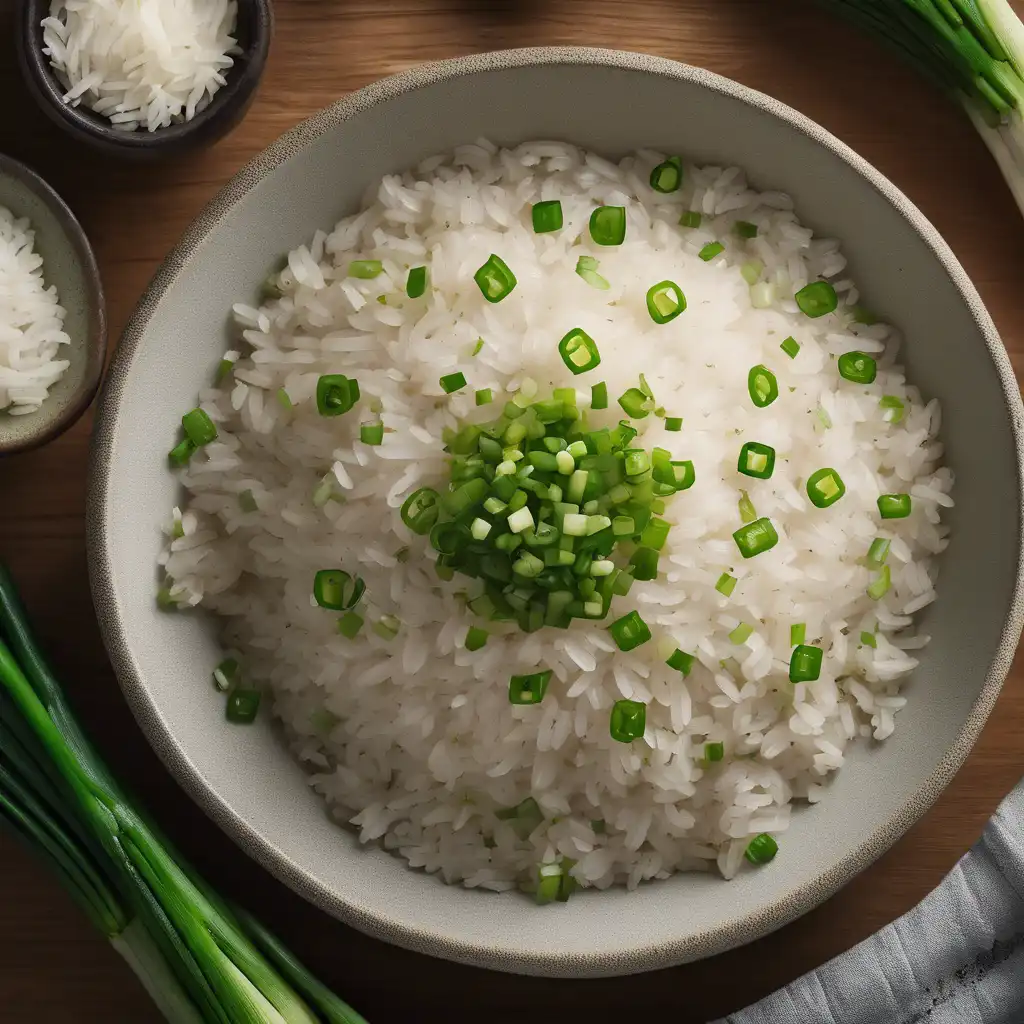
956, 958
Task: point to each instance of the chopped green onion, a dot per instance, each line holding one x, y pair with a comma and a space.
350, 624
741, 634
475, 638
565, 463
199, 428
630, 631
805, 664
744, 229
877, 553
247, 501
495, 280
710, 251
751, 271
627, 720
762, 386
746, 508
284, 400
180, 454
386, 627
484, 396
825, 487
336, 394
791, 347
681, 661
684, 474
761, 849
756, 460
477, 347
479, 529
579, 351
797, 633
667, 176
726, 584
894, 506
420, 510
879, 587
242, 706
608, 225
521, 519
858, 367
690, 219
452, 382
225, 366
365, 269
529, 689
635, 403
643, 564
756, 537
547, 216
655, 534
586, 268
226, 674
713, 752
599, 395
823, 418
665, 301
868, 639
337, 590
816, 299
371, 433
894, 408
674, 423
864, 316
416, 282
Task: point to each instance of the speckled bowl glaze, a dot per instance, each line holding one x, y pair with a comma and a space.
68, 264
612, 103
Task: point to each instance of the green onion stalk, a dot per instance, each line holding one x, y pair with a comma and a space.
202, 961
974, 50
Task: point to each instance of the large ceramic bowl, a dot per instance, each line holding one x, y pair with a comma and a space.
613, 103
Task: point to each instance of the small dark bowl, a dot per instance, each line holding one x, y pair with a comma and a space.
228, 106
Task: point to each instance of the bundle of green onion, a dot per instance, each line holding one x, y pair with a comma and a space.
973, 49
201, 961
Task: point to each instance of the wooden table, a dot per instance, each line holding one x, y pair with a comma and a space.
52, 967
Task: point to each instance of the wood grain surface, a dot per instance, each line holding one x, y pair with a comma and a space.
52, 967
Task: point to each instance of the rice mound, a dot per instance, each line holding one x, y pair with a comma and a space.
413, 740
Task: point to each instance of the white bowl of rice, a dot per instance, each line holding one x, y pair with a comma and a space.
594, 480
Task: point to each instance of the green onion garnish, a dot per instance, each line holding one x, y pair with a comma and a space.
690, 219
667, 176
761, 849
242, 706
452, 382
805, 664
484, 396
635, 403
547, 216
877, 553
762, 386
284, 400
825, 487
681, 661
746, 508
608, 225
386, 627
599, 395
371, 433
894, 506
791, 347
755, 538
744, 229
751, 271
475, 638
365, 269
495, 279
420, 510
868, 639
741, 634
180, 454
713, 752
893, 408
879, 587
477, 347
416, 282
797, 634
350, 624
630, 631
643, 564
858, 367
665, 301
337, 590
674, 423
586, 267
726, 584
336, 394
756, 460
627, 720
710, 251
247, 501
816, 299
579, 351
199, 428
226, 674
529, 689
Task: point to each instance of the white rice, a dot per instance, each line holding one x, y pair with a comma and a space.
31, 321
414, 741
142, 64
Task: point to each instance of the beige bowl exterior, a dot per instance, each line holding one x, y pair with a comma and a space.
610, 102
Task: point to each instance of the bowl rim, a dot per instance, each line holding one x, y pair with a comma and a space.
95, 341
224, 111
492, 955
